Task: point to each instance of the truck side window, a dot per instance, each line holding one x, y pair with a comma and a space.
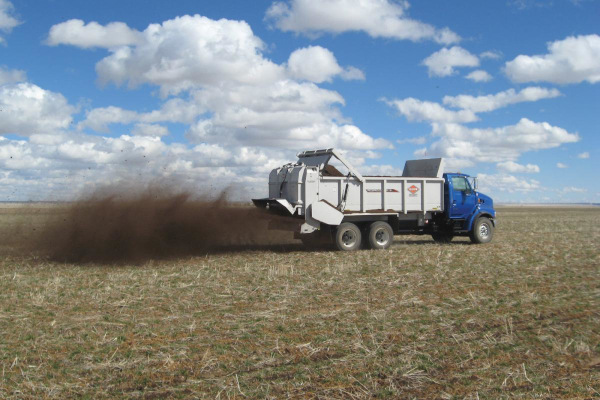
460, 183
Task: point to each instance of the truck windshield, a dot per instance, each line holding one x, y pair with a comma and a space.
473, 182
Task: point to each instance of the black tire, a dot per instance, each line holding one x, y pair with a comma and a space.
483, 231
442, 237
348, 237
381, 235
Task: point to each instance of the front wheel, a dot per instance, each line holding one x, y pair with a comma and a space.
381, 235
483, 231
348, 237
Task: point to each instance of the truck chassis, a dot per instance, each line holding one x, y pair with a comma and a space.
326, 206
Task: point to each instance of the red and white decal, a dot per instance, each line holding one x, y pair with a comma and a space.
413, 189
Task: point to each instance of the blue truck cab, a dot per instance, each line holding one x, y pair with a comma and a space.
467, 212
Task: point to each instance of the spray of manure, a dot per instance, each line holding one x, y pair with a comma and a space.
154, 224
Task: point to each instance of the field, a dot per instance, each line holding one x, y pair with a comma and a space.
517, 318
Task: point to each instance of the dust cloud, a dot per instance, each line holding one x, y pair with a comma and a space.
113, 227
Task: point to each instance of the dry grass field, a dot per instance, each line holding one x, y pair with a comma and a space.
517, 318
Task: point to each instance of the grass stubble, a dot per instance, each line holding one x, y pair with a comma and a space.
517, 318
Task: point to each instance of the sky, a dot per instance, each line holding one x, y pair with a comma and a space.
212, 95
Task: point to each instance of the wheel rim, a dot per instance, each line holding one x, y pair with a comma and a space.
382, 237
348, 238
484, 231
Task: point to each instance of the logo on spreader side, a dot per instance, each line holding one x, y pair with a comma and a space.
413, 189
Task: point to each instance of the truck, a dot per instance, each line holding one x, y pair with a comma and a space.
325, 200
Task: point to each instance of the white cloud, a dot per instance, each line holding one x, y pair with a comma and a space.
28, 109
11, 76
463, 146
571, 60
583, 155
98, 119
77, 162
176, 110
574, 189
416, 140
191, 52
418, 110
561, 165
502, 99
378, 18
479, 76
7, 20
317, 64
286, 114
513, 167
495, 144
507, 183
75, 32
468, 106
491, 55
444, 61
142, 129
245, 99
240, 107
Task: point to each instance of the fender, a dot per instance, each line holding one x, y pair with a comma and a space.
478, 213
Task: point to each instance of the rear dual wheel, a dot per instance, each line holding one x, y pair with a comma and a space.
348, 236
381, 235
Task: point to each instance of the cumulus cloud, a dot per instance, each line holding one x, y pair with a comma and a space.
175, 110
478, 104
415, 140
583, 155
571, 60
463, 146
496, 145
561, 165
491, 55
28, 109
379, 18
444, 61
479, 76
75, 32
99, 119
507, 183
232, 94
11, 76
62, 169
513, 167
287, 114
7, 19
467, 106
191, 52
241, 113
317, 64
418, 110
142, 129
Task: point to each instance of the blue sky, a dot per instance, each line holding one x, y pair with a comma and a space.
215, 94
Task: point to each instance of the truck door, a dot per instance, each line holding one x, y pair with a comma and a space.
462, 196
